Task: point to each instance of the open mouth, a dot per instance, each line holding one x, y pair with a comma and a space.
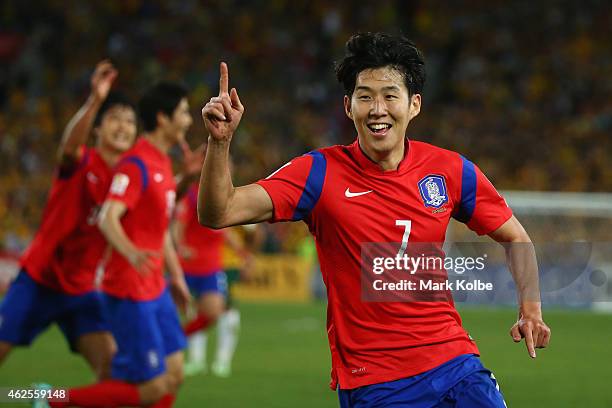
379, 129
121, 137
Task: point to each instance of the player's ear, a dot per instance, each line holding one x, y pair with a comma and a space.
415, 105
347, 107
162, 119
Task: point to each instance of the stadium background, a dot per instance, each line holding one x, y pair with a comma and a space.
521, 88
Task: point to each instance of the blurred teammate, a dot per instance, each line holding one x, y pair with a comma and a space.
56, 282
147, 369
200, 251
381, 188
238, 264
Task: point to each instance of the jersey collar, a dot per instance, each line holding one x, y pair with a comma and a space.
369, 166
152, 150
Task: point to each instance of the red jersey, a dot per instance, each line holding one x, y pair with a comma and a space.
206, 243
144, 182
347, 200
68, 245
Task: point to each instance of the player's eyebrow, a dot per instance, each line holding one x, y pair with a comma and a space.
384, 88
391, 88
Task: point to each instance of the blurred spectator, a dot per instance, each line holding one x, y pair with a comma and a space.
521, 88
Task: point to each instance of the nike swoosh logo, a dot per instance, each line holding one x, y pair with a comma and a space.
349, 194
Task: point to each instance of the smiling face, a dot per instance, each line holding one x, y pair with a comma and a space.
381, 109
117, 129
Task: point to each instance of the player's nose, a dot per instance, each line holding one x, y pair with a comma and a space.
125, 124
378, 107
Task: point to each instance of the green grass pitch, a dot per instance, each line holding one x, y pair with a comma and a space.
283, 361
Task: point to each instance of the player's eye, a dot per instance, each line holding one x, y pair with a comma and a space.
390, 97
364, 97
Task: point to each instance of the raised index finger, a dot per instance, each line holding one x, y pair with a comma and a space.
529, 342
224, 79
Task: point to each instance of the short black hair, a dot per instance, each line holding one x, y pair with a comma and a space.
377, 50
162, 97
114, 98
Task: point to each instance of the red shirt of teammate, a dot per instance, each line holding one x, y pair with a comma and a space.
144, 182
68, 245
205, 244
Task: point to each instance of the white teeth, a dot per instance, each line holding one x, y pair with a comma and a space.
379, 126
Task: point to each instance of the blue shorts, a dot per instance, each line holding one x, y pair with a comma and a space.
199, 285
146, 332
462, 382
29, 308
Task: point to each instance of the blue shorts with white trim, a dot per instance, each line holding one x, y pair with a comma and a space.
146, 333
213, 283
462, 382
29, 308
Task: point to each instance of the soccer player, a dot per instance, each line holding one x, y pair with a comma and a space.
56, 282
413, 354
147, 369
200, 251
238, 265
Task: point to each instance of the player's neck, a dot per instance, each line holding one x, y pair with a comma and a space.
110, 156
158, 139
388, 160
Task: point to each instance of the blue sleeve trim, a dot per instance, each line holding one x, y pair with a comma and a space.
143, 169
468, 192
313, 188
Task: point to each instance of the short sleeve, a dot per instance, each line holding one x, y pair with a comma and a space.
295, 187
129, 182
481, 207
68, 169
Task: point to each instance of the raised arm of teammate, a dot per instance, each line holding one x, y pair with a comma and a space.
220, 204
522, 262
110, 225
78, 129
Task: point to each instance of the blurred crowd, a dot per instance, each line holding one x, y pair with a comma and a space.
521, 88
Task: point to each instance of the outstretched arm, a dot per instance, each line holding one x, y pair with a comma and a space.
178, 286
220, 204
522, 262
78, 129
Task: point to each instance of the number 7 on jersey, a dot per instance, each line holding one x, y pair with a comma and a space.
407, 225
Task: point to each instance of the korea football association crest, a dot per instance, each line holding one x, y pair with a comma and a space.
433, 190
